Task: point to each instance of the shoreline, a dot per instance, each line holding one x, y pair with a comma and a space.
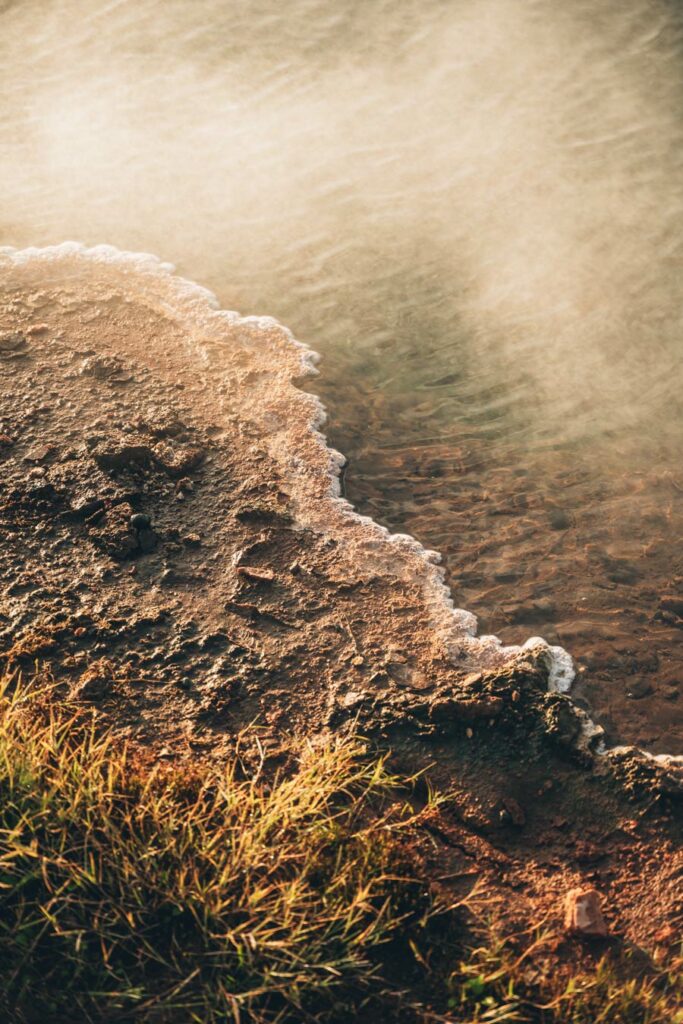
331, 514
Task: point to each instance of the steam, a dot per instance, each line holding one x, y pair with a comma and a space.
499, 178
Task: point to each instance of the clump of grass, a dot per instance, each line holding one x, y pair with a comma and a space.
137, 894
496, 984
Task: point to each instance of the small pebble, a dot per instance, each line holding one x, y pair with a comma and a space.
583, 913
140, 521
636, 689
559, 520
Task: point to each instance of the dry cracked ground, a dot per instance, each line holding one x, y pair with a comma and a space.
173, 556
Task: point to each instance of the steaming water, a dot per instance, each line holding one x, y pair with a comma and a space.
474, 210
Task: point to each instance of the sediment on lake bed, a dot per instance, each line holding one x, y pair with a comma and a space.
176, 557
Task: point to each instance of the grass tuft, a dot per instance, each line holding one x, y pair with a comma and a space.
496, 984
131, 894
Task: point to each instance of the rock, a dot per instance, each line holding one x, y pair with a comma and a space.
257, 575
146, 537
179, 463
636, 689
673, 604
351, 699
168, 577
419, 681
11, 344
619, 570
88, 510
583, 914
110, 368
399, 672
37, 329
140, 521
41, 453
123, 456
512, 813
147, 541
559, 519
40, 494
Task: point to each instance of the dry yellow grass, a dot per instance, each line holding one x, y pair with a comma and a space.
135, 894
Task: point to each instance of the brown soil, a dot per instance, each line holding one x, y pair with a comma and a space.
172, 554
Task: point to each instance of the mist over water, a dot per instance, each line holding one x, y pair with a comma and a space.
472, 208
482, 182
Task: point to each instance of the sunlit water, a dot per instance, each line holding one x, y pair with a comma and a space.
474, 211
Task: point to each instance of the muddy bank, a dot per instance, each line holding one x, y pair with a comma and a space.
164, 483
174, 554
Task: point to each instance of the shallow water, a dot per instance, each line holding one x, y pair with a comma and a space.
474, 211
